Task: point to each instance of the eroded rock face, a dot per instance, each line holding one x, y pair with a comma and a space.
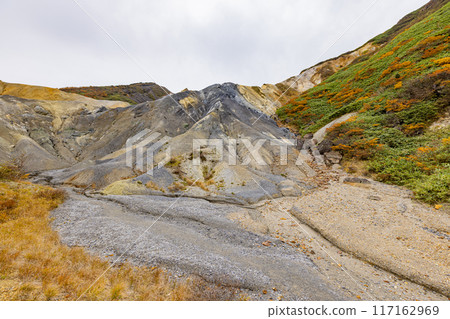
44, 127
52, 129
89, 142
218, 114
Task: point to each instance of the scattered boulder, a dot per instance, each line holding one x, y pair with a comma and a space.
300, 142
325, 146
333, 157
289, 188
40, 110
319, 159
356, 180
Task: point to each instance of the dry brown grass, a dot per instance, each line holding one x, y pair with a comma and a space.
198, 183
154, 186
34, 265
176, 187
9, 172
356, 167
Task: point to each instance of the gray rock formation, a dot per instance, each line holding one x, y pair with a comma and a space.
256, 158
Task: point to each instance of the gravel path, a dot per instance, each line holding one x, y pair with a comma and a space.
380, 224
192, 236
343, 240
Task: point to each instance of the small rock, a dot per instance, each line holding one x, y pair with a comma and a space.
300, 142
336, 167
333, 157
402, 208
325, 147
266, 243
307, 144
359, 180
374, 197
101, 109
40, 110
289, 188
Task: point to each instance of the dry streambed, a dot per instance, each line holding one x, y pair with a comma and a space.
341, 241
380, 224
191, 236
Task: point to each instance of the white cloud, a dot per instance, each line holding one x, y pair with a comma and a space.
181, 43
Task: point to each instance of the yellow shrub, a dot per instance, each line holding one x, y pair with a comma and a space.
397, 105
395, 66
442, 61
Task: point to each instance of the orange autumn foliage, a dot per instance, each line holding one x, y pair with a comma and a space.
344, 96
398, 85
394, 49
433, 51
397, 105
360, 149
395, 66
442, 61
412, 129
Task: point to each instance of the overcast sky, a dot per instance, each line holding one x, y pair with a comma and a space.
181, 44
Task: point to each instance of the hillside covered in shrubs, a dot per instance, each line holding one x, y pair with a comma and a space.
401, 96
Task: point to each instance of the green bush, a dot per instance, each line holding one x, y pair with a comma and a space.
434, 188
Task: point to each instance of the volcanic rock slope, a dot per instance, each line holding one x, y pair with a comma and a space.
50, 129
193, 235
37, 125
88, 137
218, 113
